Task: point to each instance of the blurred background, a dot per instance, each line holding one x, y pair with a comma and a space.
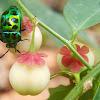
50, 12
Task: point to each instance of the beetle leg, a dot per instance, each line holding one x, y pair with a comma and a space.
17, 50
5, 53
24, 39
24, 29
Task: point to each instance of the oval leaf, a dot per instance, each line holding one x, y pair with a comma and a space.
81, 14
59, 92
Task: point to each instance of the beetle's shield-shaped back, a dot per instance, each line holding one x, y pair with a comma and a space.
11, 20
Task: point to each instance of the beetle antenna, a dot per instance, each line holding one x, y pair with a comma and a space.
5, 53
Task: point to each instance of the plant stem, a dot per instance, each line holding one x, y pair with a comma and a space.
77, 77
66, 42
73, 37
30, 15
63, 73
59, 73
32, 49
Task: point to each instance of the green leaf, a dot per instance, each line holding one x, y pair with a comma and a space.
87, 95
81, 14
96, 88
77, 90
59, 92
4, 4
97, 96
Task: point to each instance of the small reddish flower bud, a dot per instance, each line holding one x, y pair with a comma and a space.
27, 24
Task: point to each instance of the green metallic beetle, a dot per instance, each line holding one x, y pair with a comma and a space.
11, 23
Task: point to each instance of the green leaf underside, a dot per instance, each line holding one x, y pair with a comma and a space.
4, 4
97, 96
59, 92
97, 88
77, 90
84, 37
87, 95
81, 14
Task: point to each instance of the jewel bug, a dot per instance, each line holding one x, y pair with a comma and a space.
11, 23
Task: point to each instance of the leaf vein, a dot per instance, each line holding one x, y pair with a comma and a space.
86, 21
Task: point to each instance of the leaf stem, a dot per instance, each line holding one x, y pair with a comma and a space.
77, 77
66, 42
59, 74
64, 73
73, 37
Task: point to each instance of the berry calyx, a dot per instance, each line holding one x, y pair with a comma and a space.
31, 59
68, 61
